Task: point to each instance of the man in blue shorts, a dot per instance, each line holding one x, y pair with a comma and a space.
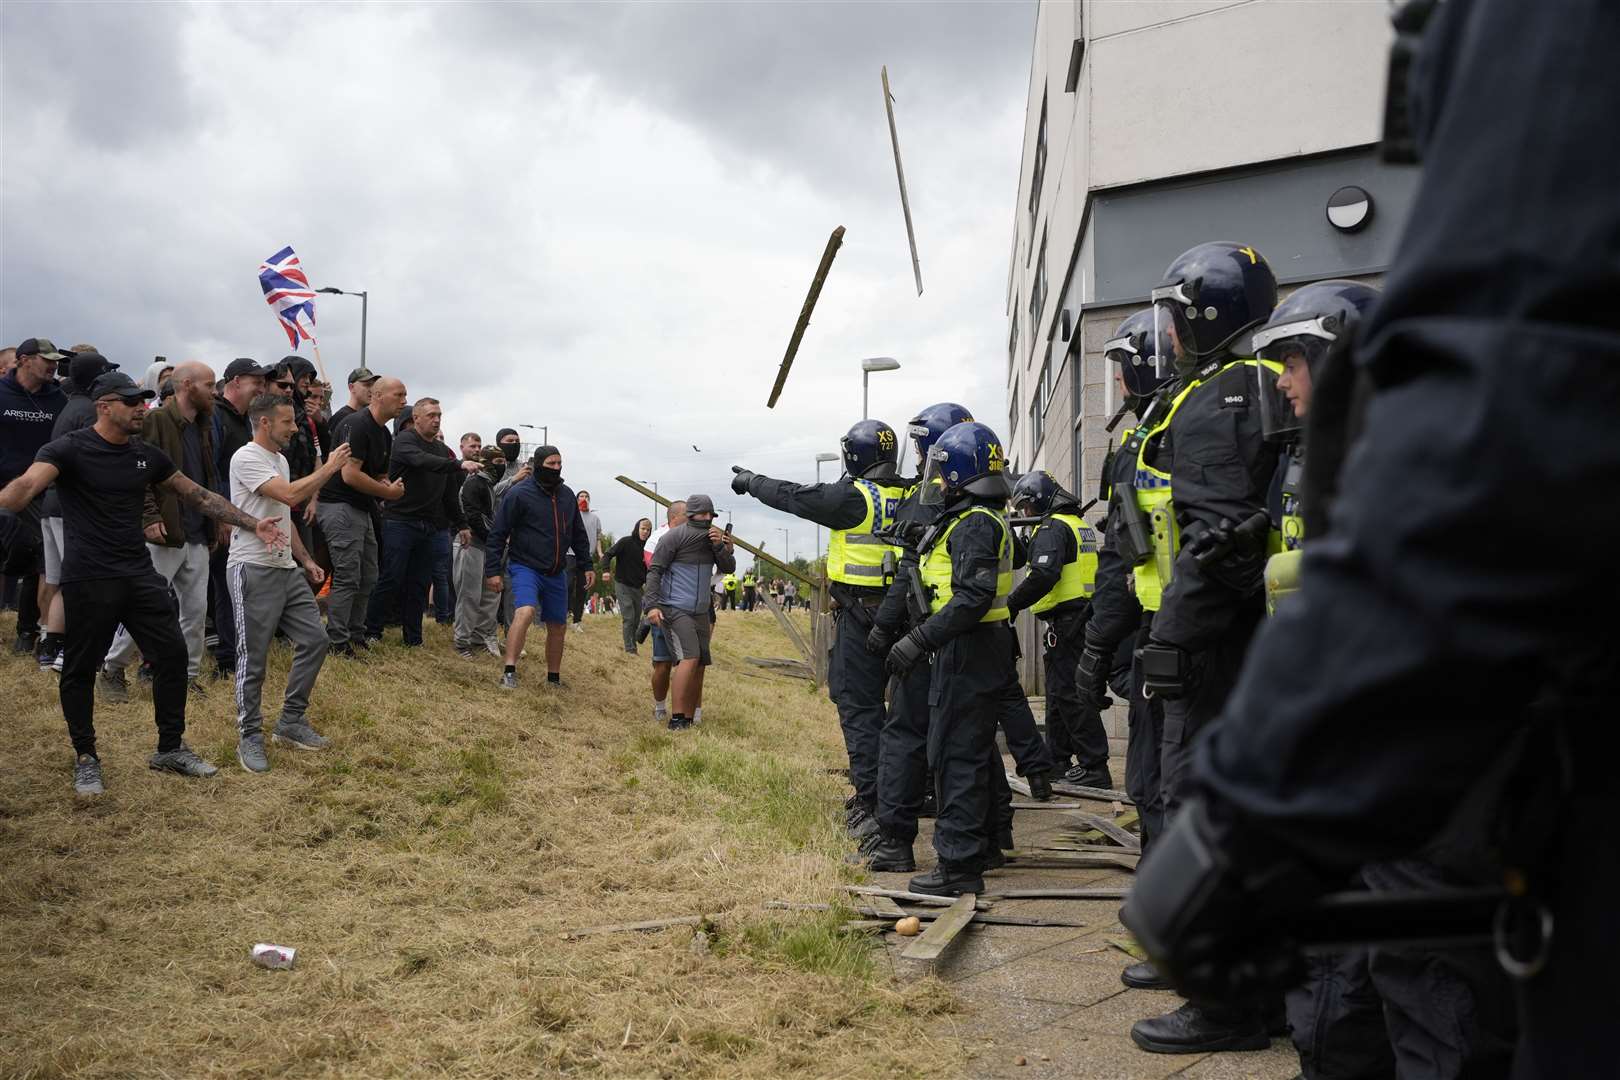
537, 524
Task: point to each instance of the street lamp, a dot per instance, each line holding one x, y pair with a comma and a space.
363, 303
654, 485
787, 555
820, 458
869, 365
545, 432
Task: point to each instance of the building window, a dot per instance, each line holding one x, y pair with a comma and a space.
1037, 292
1012, 413
1048, 374
1012, 345
1037, 170
1036, 412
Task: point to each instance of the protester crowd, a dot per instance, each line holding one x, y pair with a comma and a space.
144, 525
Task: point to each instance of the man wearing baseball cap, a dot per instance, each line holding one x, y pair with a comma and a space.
84, 369
30, 401
102, 474
360, 383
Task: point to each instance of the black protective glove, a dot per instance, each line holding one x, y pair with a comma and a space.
1165, 668
1211, 543
1091, 678
740, 479
906, 653
880, 640
1207, 909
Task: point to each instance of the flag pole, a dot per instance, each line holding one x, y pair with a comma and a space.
316, 346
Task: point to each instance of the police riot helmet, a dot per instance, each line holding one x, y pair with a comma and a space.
966, 460
1133, 347
1037, 493
1298, 335
932, 422
871, 450
1212, 294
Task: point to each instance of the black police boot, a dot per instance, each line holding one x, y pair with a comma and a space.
994, 859
1144, 976
1193, 1029
860, 822
948, 879
886, 854
1082, 776
1040, 786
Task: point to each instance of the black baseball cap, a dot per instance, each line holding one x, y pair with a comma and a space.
38, 346
243, 365
116, 382
365, 375
86, 367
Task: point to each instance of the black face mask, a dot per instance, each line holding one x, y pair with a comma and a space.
700, 526
549, 478
511, 450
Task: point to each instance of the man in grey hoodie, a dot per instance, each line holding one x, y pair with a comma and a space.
677, 598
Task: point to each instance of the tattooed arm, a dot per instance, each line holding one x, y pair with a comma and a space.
209, 504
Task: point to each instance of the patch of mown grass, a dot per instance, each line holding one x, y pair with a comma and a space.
750, 788
477, 779
817, 944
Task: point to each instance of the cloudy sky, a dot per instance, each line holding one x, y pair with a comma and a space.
598, 218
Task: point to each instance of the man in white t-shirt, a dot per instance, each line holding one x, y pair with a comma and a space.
267, 588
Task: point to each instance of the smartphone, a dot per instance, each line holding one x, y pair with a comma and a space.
728, 528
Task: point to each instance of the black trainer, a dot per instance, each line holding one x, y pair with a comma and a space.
948, 879
1081, 776
1192, 1029
1040, 786
1144, 976
26, 643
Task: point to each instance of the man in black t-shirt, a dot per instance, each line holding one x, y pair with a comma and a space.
102, 474
346, 505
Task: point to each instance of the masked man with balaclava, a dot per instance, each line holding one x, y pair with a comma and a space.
855, 507
537, 525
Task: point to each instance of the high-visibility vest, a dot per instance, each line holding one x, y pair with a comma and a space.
1080, 575
748, 581
1153, 494
731, 582
936, 567
855, 556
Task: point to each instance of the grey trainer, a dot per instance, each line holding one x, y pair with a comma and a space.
250, 753
112, 686
183, 760
87, 777
508, 680
300, 736
494, 648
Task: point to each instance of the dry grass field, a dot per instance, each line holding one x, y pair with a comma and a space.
425, 867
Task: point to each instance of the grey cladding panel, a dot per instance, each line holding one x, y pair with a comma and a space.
1279, 209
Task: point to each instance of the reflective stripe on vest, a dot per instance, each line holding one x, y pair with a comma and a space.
1079, 576
936, 567
855, 556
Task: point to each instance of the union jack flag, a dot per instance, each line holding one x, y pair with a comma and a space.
286, 290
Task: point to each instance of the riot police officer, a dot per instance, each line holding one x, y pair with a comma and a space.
1220, 467
1062, 577
854, 507
966, 564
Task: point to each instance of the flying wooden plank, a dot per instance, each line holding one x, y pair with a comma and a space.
833, 242
938, 936
900, 171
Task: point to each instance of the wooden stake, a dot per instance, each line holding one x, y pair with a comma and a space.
833, 243
943, 931
899, 171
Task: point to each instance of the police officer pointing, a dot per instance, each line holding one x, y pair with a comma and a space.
854, 507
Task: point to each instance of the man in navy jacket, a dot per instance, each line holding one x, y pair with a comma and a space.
537, 523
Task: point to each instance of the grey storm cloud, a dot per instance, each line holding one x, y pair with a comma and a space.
600, 218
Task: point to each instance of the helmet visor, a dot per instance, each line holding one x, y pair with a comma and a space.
1172, 331
1286, 398
913, 447
933, 491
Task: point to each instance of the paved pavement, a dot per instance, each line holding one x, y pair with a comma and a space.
1051, 997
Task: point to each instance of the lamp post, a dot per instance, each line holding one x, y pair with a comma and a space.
820, 458
869, 365
362, 294
654, 485
545, 432
787, 555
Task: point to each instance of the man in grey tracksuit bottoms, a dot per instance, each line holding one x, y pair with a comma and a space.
268, 590
676, 598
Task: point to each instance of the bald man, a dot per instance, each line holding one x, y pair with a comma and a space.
347, 505
178, 536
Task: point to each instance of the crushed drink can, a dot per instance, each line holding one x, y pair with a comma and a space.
274, 957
